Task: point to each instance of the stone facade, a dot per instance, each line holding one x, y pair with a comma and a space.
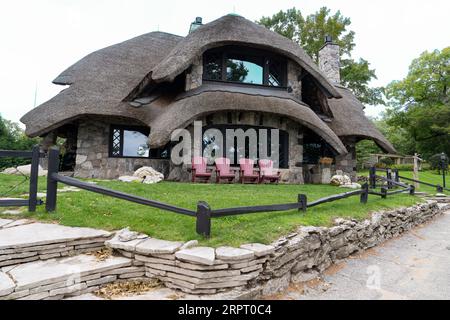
257, 269
347, 162
93, 159
194, 78
292, 174
329, 61
294, 72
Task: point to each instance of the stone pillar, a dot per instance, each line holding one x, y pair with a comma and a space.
329, 60
293, 75
347, 162
194, 77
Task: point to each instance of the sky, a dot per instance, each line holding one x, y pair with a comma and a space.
40, 39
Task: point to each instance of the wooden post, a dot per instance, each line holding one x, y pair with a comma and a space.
203, 225
302, 202
416, 170
389, 178
383, 192
52, 185
412, 190
34, 174
372, 178
396, 177
365, 194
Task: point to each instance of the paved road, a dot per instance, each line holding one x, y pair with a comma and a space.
414, 266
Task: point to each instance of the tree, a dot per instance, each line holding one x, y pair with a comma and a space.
310, 33
12, 137
420, 103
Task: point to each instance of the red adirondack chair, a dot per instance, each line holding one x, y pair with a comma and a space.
199, 169
223, 171
267, 171
246, 172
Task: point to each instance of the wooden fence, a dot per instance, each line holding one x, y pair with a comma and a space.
32, 200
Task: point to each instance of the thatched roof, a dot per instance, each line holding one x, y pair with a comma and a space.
349, 120
235, 30
100, 81
210, 100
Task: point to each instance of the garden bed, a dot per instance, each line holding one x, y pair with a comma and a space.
86, 209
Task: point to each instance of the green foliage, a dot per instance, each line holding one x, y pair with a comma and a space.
12, 137
309, 32
420, 104
364, 149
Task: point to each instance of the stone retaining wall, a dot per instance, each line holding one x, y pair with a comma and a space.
266, 269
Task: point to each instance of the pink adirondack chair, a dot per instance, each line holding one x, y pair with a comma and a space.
267, 171
246, 172
223, 171
199, 169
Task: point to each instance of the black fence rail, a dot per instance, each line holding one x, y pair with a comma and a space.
204, 213
393, 179
32, 200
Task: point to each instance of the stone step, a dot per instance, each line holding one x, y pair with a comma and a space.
62, 277
23, 241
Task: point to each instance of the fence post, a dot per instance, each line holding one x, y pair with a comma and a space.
396, 177
389, 177
34, 173
439, 188
412, 189
365, 194
372, 178
302, 202
383, 192
52, 185
203, 225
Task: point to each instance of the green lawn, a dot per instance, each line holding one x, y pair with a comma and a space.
92, 210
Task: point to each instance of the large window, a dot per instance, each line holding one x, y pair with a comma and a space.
218, 147
244, 65
315, 147
131, 142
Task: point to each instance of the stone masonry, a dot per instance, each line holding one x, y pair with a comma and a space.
257, 269
329, 61
93, 159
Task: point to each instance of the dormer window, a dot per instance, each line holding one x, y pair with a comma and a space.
244, 65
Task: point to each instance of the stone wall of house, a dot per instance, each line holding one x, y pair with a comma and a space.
294, 72
93, 159
194, 78
294, 172
257, 269
347, 162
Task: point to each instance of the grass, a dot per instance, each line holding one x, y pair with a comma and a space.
88, 209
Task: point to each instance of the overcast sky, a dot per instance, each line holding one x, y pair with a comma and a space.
41, 38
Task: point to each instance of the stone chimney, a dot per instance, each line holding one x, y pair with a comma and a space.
196, 24
329, 61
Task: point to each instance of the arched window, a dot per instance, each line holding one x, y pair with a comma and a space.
244, 65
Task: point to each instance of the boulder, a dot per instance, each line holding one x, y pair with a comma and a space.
338, 180
10, 171
149, 175
26, 169
353, 185
130, 179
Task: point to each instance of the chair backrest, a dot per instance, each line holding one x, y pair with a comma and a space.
223, 165
199, 164
266, 167
246, 166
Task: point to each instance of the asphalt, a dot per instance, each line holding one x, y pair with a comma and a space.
415, 265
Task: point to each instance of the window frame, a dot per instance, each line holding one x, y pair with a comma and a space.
225, 52
142, 129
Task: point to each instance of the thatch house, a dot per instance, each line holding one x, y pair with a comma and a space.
135, 93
